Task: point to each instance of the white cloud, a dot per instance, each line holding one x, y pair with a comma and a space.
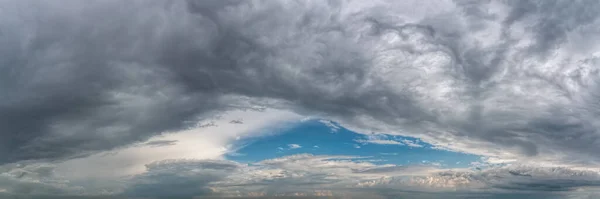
334, 128
411, 143
390, 142
294, 146
384, 142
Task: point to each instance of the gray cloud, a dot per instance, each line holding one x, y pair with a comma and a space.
159, 143
34, 179
514, 78
77, 79
178, 178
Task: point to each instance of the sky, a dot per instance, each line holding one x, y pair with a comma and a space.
305, 99
323, 137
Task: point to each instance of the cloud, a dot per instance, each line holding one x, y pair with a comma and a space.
313, 175
294, 146
303, 173
390, 142
343, 175
34, 179
85, 82
511, 80
195, 143
332, 125
411, 143
159, 143
179, 178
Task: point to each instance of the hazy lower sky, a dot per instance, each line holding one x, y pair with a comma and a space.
299, 98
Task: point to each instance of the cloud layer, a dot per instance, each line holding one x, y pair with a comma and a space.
84, 77
308, 175
512, 80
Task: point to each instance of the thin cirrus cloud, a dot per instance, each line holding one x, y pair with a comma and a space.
515, 81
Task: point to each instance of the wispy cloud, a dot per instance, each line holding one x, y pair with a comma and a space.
386, 140
410, 143
334, 127
375, 141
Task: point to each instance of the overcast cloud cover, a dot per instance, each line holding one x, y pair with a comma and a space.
513, 81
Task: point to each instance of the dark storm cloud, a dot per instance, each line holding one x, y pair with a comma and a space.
81, 77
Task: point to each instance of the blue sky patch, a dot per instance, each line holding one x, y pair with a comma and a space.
320, 137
